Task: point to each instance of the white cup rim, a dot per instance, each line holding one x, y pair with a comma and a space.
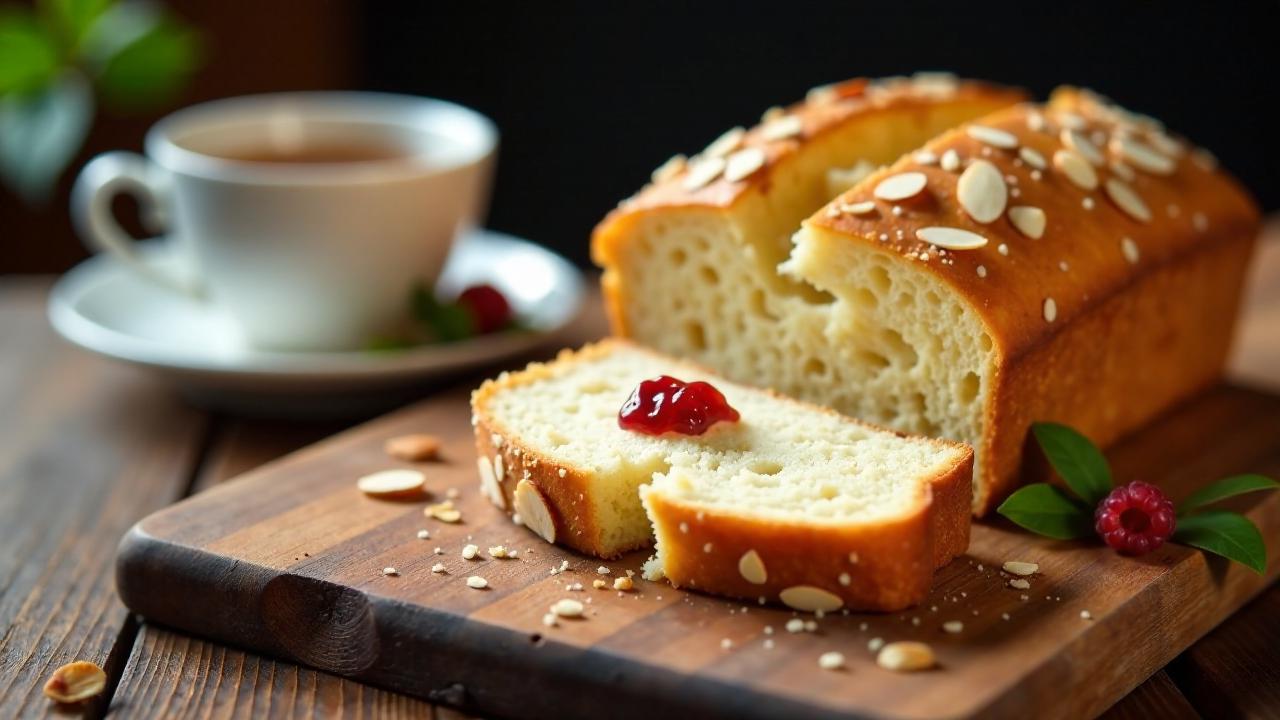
475, 135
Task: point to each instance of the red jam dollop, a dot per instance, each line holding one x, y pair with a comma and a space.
665, 404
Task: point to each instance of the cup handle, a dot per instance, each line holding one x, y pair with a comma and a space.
99, 182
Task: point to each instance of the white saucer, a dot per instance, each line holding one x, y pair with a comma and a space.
108, 309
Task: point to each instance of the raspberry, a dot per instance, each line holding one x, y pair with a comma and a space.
488, 306
1135, 518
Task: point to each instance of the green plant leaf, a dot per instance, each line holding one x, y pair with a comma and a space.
74, 18
1048, 510
28, 54
445, 321
1224, 533
1077, 460
151, 69
1225, 488
41, 133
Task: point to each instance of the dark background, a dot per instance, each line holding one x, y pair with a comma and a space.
590, 96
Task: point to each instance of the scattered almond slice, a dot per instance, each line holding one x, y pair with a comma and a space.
1142, 156
752, 569
905, 656
75, 682
1033, 158
567, 608
781, 128
831, 660
810, 599
1129, 249
1076, 140
703, 172
728, 142
951, 238
669, 169
1017, 567
901, 186
954, 627
414, 447
1127, 200
1019, 584
534, 512
475, 582
950, 161
392, 484
994, 137
1029, 221
1076, 168
743, 163
982, 192
444, 512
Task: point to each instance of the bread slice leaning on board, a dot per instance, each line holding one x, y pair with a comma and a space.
1072, 262
792, 503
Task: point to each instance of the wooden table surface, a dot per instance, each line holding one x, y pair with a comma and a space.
87, 447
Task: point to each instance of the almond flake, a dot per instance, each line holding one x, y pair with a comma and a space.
1076, 168
1127, 200
982, 192
390, 571
1142, 156
905, 656
534, 512
702, 172
752, 569
1050, 310
901, 186
728, 142
1029, 221
1036, 122
1076, 140
782, 128
925, 157
469, 552
1072, 121
475, 582
951, 238
831, 660
859, 208
953, 626
992, 136
743, 163
75, 682
1017, 567
1032, 157
950, 161
1122, 171
1129, 249
1020, 584
1164, 144
415, 447
489, 486
567, 608
669, 169
810, 599
388, 484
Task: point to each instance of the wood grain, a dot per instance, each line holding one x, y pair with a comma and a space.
86, 449
1158, 697
1232, 672
288, 561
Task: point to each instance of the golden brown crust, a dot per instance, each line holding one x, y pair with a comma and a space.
883, 566
1127, 340
895, 558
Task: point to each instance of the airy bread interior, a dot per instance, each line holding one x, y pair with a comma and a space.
783, 461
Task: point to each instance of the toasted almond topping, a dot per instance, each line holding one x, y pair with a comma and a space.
1050, 310
905, 656
951, 238
567, 608
1165, 144
782, 128
925, 157
469, 552
901, 186
398, 483
475, 582
743, 163
499, 469
390, 571
831, 660
728, 142
1129, 249
1019, 584
772, 113
702, 172
534, 511
448, 516
810, 599
982, 192
1032, 157
1029, 221
1076, 140
1017, 567
993, 136
669, 169
752, 569
623, 584
953, 626
1142, 156
489, 486
859, 208
75, 682
1127, 200
1122, 171
950, 161
1072, 121
415, 447
1076, 168
1036, 122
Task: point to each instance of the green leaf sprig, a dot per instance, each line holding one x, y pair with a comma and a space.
1052, 511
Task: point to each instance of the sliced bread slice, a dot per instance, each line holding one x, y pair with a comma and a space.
793, 502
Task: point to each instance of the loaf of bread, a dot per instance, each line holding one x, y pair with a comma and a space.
1072, 262
791, 503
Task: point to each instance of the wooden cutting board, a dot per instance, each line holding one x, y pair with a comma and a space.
289, 561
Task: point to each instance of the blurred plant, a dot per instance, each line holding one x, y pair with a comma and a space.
56, 57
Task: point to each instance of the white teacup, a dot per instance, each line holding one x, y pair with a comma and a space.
308, 217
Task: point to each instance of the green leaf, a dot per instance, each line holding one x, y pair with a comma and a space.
445, 321
1077, 460
152, 69
40, 134
74, 18
1224, 533
1048, 510
28, 55
1225, 488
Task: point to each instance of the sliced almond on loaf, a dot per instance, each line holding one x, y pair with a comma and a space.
793, 503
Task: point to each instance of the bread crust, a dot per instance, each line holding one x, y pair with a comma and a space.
896, 557
1102, 364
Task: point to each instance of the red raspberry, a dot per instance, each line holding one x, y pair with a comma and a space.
488, 306
1135, 518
